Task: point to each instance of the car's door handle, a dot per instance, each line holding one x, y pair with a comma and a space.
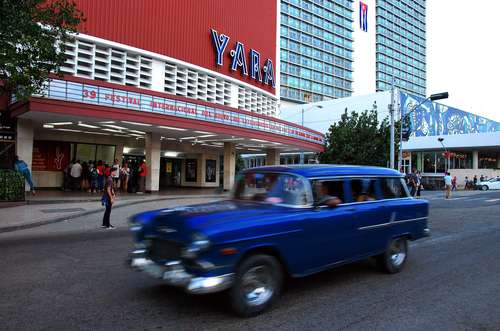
351, 209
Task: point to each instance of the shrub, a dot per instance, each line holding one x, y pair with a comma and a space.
11, 186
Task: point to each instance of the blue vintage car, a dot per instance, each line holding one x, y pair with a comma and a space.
281, 221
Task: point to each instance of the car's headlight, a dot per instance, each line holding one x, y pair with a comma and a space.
135, 226
199, 243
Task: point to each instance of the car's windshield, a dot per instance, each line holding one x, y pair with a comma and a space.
272, 188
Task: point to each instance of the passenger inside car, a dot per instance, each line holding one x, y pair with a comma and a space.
362, 190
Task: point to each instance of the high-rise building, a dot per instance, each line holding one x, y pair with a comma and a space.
338, 48
316, 50
400, 45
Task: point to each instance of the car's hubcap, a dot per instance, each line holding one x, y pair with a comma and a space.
398, 252
257, 285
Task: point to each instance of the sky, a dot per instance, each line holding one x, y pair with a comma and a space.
463, 54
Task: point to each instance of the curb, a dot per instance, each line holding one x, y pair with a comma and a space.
99, 210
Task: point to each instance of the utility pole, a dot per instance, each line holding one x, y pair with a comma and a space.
400, 151
302, 152
391, 111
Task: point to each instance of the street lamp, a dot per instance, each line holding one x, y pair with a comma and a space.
446, 155
304, 110
432, 97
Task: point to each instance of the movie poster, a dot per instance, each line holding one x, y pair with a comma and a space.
210, 171
191, 167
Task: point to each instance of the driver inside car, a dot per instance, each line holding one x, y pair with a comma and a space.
323, 198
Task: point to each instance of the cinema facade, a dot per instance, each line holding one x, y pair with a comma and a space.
185, 86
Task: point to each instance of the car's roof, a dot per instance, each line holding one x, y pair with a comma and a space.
324, 170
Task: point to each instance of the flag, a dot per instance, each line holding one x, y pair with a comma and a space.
363, 16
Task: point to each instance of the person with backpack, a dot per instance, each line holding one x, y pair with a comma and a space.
23, 168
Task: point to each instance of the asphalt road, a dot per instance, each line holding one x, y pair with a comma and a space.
72, 276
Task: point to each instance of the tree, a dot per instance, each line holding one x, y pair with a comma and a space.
32, 42
358, 138
240, 164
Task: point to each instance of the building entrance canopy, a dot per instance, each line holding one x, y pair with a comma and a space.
79, 100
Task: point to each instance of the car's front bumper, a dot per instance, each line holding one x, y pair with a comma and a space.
174, 273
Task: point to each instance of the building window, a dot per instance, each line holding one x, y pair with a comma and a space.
429, 162
487, 160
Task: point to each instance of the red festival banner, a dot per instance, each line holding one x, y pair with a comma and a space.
50, 155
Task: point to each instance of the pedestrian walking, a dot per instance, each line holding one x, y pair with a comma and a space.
125, 175
447, 185
100, 175
413, 182
108, 198
419, 183
115, 174
94, 175
76, 175
23, 168
454, 183
475, 182
67, 176
85, 181
142, 170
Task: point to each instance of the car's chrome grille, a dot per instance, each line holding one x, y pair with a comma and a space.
160, 249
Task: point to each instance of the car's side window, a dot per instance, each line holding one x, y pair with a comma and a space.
363, 189
393, 188
328, 192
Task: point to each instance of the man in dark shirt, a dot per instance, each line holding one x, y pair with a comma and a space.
108, 199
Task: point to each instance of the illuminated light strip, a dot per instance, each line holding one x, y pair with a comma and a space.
60, 123
137, 131
171, 128
88, 126
115, 127
136, 123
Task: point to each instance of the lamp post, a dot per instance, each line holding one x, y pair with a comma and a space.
304, 110
446, 155
432, 97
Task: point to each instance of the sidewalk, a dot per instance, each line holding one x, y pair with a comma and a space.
55, 206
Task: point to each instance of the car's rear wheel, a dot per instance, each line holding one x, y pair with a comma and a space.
395, 256
257, 285
484, 187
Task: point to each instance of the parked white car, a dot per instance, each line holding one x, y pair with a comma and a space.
490, 184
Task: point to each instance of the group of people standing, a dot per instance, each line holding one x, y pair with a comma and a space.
414, 183
91, 176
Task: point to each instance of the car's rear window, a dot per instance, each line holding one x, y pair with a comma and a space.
274, 188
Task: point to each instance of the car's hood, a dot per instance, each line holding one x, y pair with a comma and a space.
210, 218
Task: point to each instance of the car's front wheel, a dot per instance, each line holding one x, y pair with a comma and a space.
395, 256
257, 285
484, 187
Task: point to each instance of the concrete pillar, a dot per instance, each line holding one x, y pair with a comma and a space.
119, 152
24, 142
153, 149
272, 157
475, 159
229, 165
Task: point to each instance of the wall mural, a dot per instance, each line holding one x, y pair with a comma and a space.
434, 119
